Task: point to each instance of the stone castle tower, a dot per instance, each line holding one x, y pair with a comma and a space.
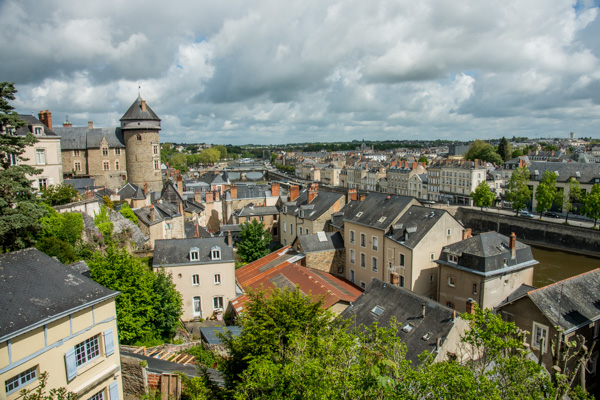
140, 126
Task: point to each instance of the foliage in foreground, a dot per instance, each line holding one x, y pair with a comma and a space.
39, 393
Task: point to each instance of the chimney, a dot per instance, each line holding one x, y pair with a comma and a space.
453, 315
362, 196
217, 195
423, 309
294, 192
438, 344
197, 233
152, 216
512, 244
209, 197
198, 196
143, 105
46, 118
180, 184
313, 191
233, 191
275, 189
470, 306
414, 165
352, 194
467, 233
180, 207
229, 239
146, 188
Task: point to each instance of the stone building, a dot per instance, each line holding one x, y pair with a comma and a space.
323, 251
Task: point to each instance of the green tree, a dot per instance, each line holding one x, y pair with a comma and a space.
480, 150
573, 197
546, 193
423, 159
591, 204
104, 224
222, 151
517, 153
20, 209
483, 195
56, 195
273, 158
54, 247
67, 227
209, 156
128, 213
517, 191
167, 306
505, 149
179, 162
254, 241
39, 392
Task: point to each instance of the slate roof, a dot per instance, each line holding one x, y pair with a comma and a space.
81, 184
162, 211
337, 219
517, 294
131, 191
251, 211
192, 229
313, 244
584, 173
209, 333
174, 252
379, 210
36, 289
487, 254
414, 225
407, 308
249, 192
135, 112
313, 210
82, 138
570, 303
31, 120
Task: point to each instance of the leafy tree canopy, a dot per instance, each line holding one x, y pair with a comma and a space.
128, 213
64, 226
56, 195
546, 193
517, 191
254, 241
480, 150
483, 195
591, 204
423, 159
505, 149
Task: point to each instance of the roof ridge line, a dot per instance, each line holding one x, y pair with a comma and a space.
564, 280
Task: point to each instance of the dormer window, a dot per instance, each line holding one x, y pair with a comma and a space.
194, 254
37, 131
452, 258
215, 253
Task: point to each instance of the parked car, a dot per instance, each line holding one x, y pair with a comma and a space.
526, 214
552, 214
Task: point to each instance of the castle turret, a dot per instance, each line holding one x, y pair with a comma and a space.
140, 126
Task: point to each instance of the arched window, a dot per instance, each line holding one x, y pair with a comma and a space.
215, 253
194, 254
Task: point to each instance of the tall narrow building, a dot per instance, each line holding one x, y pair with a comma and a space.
140, 126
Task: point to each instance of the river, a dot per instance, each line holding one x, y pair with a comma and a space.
557, 265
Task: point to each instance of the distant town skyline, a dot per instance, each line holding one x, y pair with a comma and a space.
269, 72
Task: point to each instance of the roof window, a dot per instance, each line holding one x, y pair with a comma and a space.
215, 253
377, 310
194, 254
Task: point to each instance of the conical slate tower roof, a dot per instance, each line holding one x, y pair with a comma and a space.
139, 110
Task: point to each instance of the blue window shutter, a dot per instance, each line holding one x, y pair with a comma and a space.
109, 343
71, 364
113, 389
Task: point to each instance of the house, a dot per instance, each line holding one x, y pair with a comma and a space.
240, 195
485, 268
55, 320
364, 231
324, 251
282, 270
425, 325
268, 215
412, 245
43, 155
455, 180
161, 221
134, 195
398, 177
563, 309
307, 211
203, 272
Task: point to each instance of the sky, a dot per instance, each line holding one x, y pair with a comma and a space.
275, 72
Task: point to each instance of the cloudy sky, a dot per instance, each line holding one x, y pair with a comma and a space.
262, 71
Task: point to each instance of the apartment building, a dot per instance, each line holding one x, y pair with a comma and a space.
398, 178
455, 180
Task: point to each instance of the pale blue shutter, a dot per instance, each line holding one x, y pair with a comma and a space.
109, 343
71, 363
113, 389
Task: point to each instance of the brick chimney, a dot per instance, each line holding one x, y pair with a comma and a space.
229, 239
467, 233
512, 245
233, 191
179, 184
198, 196
46, 118
90, 125
143, 105
217, 195
152, 216
352, 194
470, 306
209, 197
362, 196
275, 189
180, 207
414, 165
313, 191
294, 192
394, 278
146, 188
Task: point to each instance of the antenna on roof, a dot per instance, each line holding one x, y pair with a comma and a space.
139, 91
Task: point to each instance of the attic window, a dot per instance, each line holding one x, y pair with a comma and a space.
427, 336
37, 131
452, 258
358, 214
377, 310
215, 253
194, 254
381, 219
407, 328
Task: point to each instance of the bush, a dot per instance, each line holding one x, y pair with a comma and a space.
128, 213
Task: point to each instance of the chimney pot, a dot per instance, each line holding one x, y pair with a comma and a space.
512, 244
90, 125
423, 309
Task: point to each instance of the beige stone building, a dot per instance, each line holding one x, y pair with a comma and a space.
161, 221
364, 230
268, 215
323, 251
65, 325
485, 269
454, 181
203, 272
237, 196
307, 211
414, 243
398, 178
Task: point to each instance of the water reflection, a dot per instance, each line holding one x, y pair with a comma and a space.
558, 265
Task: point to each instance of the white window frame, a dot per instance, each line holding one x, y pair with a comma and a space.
375, 243
215, 253
42, 183
195, 280
116, 165
216, 303
21, 380
40, 156
105, 165
352, 237
534, 336
117, 151
452, 258
363, 260
156, 164
87, 351
76, 153
217, 279
197, 306
77, 166
104, 151
194, 254
451, 280
98, 396
374, 264
37, 130
352, 256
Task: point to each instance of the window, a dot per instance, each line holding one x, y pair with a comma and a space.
17, 382
539, 332
156, 164
77, 166
352, 237
374, 264
449, 232
117, 151
13, 159
306, 231
215, 253
218, 303
76, 153
217, 279
194, 254
105, 151
401, 260
292, 229
401, 281
139, 138
168, 225
42, 183
155, 149
432, 256
474, 288
352, 256
450, 304
116, 165
452, 258
87, 350
40, 156
106, 166
98, 396
362, 260
284, 226
431, 278
451, 281
363, 240
352, 277
299, 230
195, 279
375, 242
363, 285
37, 131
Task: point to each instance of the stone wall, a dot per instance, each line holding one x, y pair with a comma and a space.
135, 377
533, 231
332, 262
